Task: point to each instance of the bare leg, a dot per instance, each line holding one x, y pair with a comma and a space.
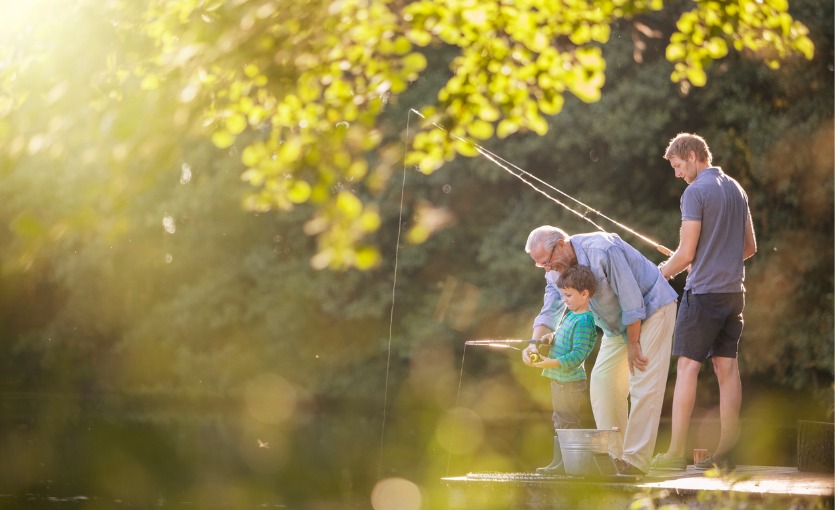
684, 399
730, 400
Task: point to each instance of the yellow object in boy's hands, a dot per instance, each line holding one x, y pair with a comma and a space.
535, 357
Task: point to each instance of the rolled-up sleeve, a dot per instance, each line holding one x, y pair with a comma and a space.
552, 307
623, 282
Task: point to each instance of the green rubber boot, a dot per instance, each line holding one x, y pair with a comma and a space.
555, 467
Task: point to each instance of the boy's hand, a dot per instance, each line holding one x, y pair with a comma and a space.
526, 354
546, 363
547, 339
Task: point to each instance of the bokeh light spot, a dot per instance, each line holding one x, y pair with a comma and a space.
185, 173
460, 431
270, 398
395, 494
168, 224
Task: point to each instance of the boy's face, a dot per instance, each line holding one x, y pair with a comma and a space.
575, 299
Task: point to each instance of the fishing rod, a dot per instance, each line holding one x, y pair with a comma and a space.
498, 160
506, 344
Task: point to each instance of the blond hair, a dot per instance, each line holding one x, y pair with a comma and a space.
683, 143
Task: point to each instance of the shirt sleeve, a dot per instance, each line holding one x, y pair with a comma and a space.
691, 205
623, 283
583, 336
552, 307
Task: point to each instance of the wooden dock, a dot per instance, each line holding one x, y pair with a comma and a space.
762, 487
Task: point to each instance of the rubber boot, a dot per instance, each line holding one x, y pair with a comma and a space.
555, 467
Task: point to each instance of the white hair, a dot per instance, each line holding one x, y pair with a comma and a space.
545, 236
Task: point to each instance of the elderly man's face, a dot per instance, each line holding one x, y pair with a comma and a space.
556, 259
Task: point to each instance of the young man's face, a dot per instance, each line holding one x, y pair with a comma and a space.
575, 299
685, 168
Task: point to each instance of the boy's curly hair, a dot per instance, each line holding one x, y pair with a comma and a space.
577, 277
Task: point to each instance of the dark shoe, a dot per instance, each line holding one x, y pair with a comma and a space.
605, 464
625, 468
724, 461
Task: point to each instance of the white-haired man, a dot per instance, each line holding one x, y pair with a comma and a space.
635, 307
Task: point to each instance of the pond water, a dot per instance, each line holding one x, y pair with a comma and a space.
62, 451
67, 451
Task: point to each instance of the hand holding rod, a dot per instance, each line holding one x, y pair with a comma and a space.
663, 249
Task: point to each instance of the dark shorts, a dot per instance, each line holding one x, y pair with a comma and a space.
709, 325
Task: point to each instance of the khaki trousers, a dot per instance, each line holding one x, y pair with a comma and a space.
633, 402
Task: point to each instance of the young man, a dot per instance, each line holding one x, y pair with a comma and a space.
635, 307
570, 346
717, 235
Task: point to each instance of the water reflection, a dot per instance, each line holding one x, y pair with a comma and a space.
276, 448
61, 451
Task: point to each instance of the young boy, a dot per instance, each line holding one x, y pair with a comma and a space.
570, 346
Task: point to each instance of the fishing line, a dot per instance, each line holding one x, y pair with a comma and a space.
455, 417
503, 164
520, 174
391, 314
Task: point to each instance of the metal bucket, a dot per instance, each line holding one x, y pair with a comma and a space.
579, 448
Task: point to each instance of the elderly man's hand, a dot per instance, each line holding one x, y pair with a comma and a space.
636, 357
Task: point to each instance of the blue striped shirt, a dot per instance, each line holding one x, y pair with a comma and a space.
573, 343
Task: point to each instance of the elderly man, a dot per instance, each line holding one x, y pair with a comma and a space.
636, 309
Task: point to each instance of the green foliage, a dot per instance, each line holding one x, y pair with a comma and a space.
310, 87
129, 265
295, 91
764, 28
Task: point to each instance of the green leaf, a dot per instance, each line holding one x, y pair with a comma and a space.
552, 103
222, 139
539, 125
370, 221
717, 48
402, 45
299, 192
506, 128
367, 257
235, 123
251, 70
253, 154
290, 151
414, 62
465, 148
696, 75
805, 46
480, 129
348, 204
